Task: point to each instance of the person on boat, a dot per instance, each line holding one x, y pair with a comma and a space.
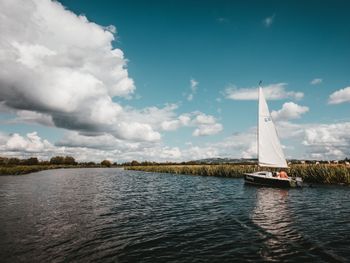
283, 174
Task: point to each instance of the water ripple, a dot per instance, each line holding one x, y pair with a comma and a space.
109, 215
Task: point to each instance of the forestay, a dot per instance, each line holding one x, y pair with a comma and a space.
270, 152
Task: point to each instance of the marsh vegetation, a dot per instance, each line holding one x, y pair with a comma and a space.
311, 173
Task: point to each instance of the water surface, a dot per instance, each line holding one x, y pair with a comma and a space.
111, 215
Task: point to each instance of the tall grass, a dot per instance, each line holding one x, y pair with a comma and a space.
311, 173
25, 169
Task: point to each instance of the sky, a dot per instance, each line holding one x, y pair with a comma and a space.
172, 80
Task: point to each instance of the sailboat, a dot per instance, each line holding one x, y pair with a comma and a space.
270, 153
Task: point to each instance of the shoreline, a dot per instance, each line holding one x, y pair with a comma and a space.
27, 169
332, 174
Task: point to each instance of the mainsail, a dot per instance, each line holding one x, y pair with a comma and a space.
270, 152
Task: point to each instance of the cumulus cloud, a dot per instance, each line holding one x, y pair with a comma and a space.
166, 119
275, 91
287, 130
316, 81
206, 125
290, 110
59, 68
269, 20
328, 134
204, 130
317, 140
328, 141
30, 144
340, 96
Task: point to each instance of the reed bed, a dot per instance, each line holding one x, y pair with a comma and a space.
24, 169
311, 173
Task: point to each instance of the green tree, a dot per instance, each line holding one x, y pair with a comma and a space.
134, 163
69, 160
14, 161
57, 160
106, 163
31, 161
3, 160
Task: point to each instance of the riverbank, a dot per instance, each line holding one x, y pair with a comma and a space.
311, 173
26, 169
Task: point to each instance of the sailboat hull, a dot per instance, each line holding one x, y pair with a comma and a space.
264, 179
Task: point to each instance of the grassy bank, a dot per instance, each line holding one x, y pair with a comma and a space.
26, 169
320, 173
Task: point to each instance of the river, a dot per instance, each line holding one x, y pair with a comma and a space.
112, 215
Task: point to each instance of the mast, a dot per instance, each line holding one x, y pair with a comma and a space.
257, 128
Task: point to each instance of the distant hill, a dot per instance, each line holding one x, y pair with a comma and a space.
226, 160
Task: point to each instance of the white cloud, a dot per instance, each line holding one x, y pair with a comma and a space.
203, 119
204, 130
193, 87
290, 110
328, 141
166, 119
316, 140
206, 125
287, 130
328, 134
316, 81
171, 125
200, 152
59, 68
269, 20
239, 144
340, 96
275, 91
32, 143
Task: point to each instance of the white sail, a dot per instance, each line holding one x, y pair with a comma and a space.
270, 152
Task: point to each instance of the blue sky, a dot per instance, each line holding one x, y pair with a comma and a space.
192, 64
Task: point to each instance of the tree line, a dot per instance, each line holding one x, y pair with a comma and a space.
56, 160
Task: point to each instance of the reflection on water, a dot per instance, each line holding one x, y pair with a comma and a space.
271, 214
281, 239
109, 215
